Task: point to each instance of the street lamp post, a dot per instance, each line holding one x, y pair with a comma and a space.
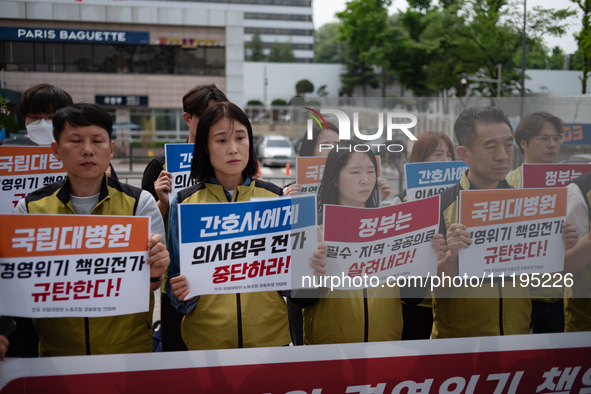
466, 78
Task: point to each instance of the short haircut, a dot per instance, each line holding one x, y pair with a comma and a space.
328, 193
43, 98
80, 115
195, 101
201, 168
531, 125
307, 147
471, 118
427, 143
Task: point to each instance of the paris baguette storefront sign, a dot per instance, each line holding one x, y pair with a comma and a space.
74, 35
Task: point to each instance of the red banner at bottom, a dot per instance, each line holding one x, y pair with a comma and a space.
541, 364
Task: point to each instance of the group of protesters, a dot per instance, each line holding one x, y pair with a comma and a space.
225, 169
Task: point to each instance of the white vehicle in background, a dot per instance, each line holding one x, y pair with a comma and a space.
275, 150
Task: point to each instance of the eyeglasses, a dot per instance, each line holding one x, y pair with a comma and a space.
38, 121
545, 138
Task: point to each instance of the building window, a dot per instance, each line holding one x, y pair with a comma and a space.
278, 17
287, 32
268, 45
105, 58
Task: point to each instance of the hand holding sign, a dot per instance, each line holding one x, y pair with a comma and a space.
457, 238
438, 243
159, 259
570, 235
384, 188
180, 287
318, 262
163, 186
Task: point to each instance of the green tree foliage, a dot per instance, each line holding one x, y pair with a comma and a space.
584, 40
557, 59
322, 91
278, 102
536, 56
281, 53
304, 86
327, 47
358, 74
254, 102
365, 29
255, 48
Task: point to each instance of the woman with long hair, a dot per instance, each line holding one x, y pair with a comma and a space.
319, 145
224, 165
364, 315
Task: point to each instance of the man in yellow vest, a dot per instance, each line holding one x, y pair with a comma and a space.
83, 144
486, 145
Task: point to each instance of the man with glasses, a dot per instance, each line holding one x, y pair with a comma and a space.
539, 136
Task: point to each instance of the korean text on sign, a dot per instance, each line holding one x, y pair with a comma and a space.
178, 162
310, 170
24, 169
513, 231
245, 246
73, 265
428, 179
387, 241
552, 175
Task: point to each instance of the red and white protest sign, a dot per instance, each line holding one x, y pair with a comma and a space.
382, 242
24, 169
310, 170
540, 363
552, 175
73, 265
513, 231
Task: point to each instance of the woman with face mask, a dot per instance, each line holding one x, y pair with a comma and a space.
38, 104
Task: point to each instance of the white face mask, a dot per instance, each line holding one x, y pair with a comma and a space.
41, 133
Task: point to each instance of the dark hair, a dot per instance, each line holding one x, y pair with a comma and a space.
201, 168
43, 98
338, 158
531, 125
195, 101
79, 115
469, 119
307, 147
427, 143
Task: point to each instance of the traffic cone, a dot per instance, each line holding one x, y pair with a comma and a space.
288, 168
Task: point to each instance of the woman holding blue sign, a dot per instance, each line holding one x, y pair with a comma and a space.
364, 315
224, 165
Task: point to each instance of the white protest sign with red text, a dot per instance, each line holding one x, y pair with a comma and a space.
552, 175
24, 169
513, 231
382, 242
245, 246
73, 265
512, 364
310, 170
